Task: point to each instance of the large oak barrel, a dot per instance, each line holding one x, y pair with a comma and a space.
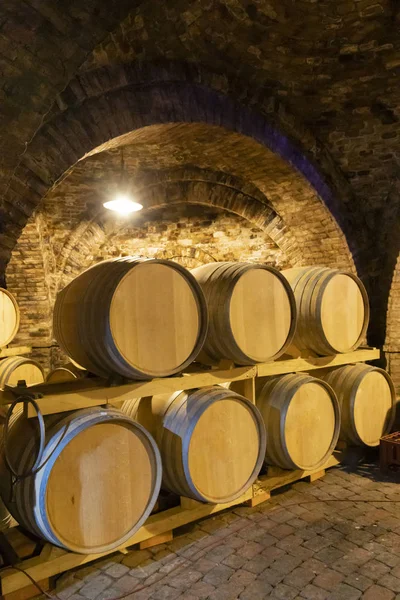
332, 309
9, 317
139, 318
252, 312
5, 517
212, 441
67, 372
100, 479
302, 420
368, 402
18, 368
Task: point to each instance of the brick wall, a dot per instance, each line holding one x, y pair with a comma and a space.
191, 235
298, 99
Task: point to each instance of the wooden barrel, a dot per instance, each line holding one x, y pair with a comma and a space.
212, 441
139, 318
18, 368
252, 312
368, 402
302, 419
98, 486
332, 309
9, 317
5, 517
68, 372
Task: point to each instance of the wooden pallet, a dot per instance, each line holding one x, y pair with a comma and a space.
157, 529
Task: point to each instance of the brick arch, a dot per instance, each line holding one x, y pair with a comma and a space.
42, 48
162, 189
127, 109
188, 257
213, 188
392, 341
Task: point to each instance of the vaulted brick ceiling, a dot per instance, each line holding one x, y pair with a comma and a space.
326, 73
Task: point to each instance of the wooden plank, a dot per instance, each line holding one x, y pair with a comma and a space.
317, 475
163, 538
100, 395
30, 591
294, 365
258, 498
83, 393
247, 388
14, 351
53, 560
280, 477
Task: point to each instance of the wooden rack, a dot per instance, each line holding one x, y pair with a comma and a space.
85, 393
53, 560
14, 351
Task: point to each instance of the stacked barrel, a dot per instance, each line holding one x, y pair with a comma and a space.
138, 318
16, 368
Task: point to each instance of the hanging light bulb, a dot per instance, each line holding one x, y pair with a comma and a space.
122, 203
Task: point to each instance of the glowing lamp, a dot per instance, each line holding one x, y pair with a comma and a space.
123, 205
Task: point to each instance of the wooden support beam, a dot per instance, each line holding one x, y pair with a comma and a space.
30, 591
14, 351
317, 475
295, 365
258, 498
87, 393
163, 538
277, 477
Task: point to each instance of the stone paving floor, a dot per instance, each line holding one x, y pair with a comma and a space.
337, 538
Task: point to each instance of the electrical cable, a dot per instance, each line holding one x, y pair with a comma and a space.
25, 399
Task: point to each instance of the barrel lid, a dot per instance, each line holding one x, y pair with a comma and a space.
100, 486
155, 318
9, 317
261, 313
224, 449
310, 424
342, 312
373, 407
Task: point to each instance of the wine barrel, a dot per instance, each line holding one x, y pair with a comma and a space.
212, 441
5, 517
368, 402
68, 372
332, 309
139, 318
17, 368
252, 312
9, 317
100, 479
302, 419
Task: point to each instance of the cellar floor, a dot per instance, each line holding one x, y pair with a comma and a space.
337, 538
